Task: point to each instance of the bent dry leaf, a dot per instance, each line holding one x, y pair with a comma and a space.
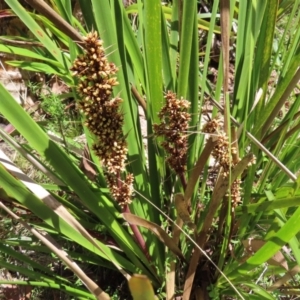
219, 192
259, 292
182, 210
284, 235
288, 276
158, 231
44, 9
278, 259
198, 168
12, 179
55, 248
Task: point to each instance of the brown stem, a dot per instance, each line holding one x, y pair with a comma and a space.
183, 180
26, 43
139, 99
198, 168
138, 236
45, 10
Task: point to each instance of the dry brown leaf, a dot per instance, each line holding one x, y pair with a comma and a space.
159, 232
86, 165
278, 259
182, 210
198, 168
225, 36
59, 88
289, 275
60, 210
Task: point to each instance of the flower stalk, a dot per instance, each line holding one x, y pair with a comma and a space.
173, 128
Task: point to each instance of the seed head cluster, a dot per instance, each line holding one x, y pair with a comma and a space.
102, 113
221, 150
173, 127
223, 156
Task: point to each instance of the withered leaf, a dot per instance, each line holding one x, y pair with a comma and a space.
278, 259
182, 210
157, 230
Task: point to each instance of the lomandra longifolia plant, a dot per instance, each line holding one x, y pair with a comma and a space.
103, 118
171, 58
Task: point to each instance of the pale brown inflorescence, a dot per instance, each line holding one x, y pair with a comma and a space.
102, 113
173, 127
223, 156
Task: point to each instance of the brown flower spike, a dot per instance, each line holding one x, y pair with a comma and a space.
102, 114
223, 156
173, 127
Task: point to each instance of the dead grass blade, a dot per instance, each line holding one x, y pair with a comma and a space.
282, 100
182, 210
45, 10
55, 248
7, 138
86, 164
158, 231
288, 276
225, 28
52, 203
253, 245
219, 192
194, 177
187, 236
198, 168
